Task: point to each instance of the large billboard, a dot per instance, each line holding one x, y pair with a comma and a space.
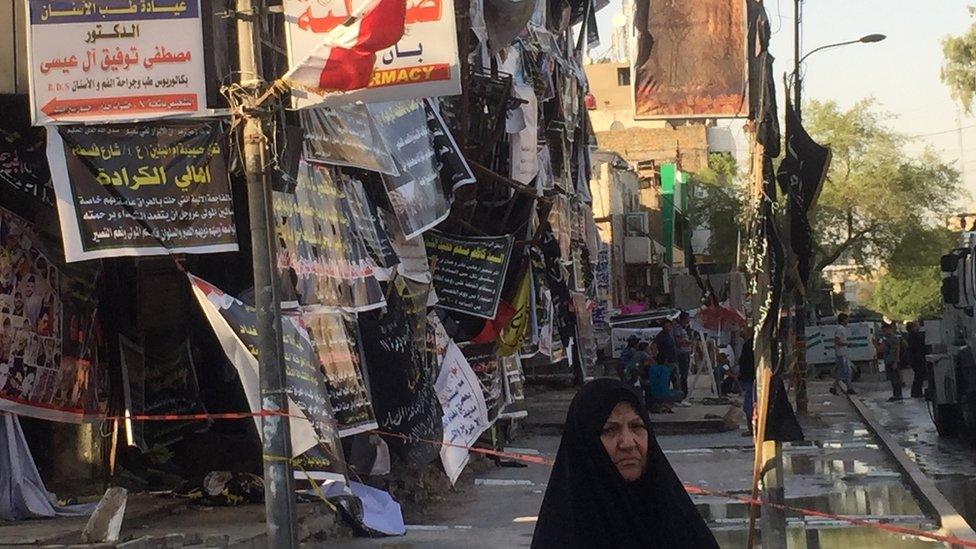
691, 59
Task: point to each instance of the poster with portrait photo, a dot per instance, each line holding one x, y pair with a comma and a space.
46, 333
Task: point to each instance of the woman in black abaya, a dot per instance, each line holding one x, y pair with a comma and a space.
611, 485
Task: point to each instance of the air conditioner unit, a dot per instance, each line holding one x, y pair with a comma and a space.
639, 250
636, 224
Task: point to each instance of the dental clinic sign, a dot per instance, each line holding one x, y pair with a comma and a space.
424, 63
115, 60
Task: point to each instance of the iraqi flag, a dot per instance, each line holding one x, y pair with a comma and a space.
344, 60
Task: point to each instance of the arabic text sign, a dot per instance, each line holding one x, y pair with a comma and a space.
469, 271
145, 189
113, 60
423, 64
465, 411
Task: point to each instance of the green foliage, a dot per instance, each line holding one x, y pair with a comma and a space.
717, 202
959, 71
908, 294
875, 193
921, 247
911, 287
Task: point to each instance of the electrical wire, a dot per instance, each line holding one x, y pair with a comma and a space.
943, 132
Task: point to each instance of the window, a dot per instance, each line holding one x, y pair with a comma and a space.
623, 76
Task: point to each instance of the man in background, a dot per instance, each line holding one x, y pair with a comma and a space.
843, 370
889, 349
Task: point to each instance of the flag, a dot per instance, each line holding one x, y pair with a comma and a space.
801, 175
345, 58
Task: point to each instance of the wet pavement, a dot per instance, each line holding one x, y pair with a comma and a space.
950, 462
839, 469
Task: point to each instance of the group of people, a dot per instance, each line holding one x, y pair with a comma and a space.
661, 366
894, 353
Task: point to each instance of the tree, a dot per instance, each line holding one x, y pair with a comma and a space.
911, 287
908, 294
717, 202
959, 71
875, 193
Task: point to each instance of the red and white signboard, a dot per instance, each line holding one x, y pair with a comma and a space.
115, 60
424, 63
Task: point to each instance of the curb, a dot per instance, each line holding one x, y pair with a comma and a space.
930, 498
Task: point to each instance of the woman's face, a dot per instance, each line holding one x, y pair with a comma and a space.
624, 437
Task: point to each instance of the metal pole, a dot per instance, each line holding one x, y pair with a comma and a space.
799, 295
773, 519
797, 79
279, 492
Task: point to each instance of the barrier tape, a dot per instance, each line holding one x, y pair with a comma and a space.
891, 528
542, 460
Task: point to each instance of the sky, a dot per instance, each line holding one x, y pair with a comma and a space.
901, 73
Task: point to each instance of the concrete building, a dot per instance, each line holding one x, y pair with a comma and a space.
629, 228
853, 281
686, 142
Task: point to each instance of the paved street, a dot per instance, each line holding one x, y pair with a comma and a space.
839, 469
950, 462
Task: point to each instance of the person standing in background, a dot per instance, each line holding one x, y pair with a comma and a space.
684, 340
889, 347
843, 371
916, 357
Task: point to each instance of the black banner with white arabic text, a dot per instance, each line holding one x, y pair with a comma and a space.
468, 271
146, 189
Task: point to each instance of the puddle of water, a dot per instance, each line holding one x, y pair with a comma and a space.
961, 493
806, 464
822, 538
858, 500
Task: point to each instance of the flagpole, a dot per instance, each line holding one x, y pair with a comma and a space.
279, 489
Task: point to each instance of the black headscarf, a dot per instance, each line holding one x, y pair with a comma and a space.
588, 504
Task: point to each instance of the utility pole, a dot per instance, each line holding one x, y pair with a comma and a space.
799, 292
279, 492
797, 78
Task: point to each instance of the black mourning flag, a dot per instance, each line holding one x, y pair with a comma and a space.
800, 177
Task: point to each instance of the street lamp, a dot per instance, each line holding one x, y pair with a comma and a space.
797, 80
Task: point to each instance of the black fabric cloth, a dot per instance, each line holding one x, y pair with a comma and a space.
747, 362
781, 422
589, 505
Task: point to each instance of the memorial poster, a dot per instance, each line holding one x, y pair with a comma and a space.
454, 169
23, 163
400, 383
49, 366
469, 271
318, 246
142, 189
345, 136
367, 224
335, 338
465, 411
514, 383
309, 408
486, 364
416, 194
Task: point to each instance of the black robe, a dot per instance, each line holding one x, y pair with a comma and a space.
589, 505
